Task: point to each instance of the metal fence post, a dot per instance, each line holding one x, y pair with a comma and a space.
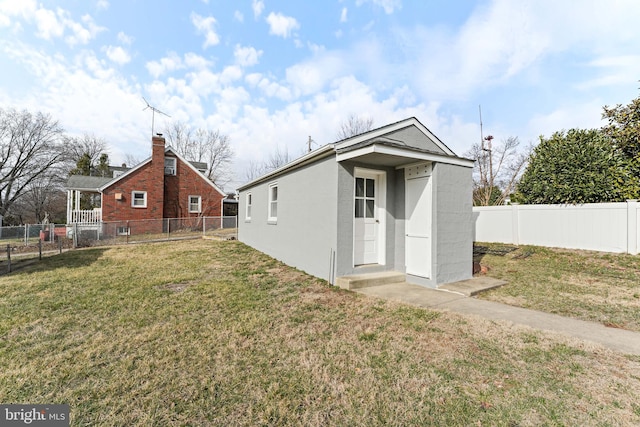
40, 249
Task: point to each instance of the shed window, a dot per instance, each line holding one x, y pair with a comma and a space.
248, 211
273, 202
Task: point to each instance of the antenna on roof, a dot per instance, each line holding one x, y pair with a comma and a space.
154, 110
481, 136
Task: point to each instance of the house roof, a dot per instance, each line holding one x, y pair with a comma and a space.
86, 183
146, 161
389, 136
99, 184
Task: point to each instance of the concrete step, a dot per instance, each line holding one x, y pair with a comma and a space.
358, 281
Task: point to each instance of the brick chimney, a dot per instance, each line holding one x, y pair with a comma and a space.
156, 189
157, 152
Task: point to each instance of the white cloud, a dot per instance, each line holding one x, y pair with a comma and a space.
343, 15
230, 74
258, 7
206, 26
389, 6
118, 55
84, 88
268, 88
612, 70
81, 34
238, 16
246, 56
281, 25
48, 24
195, 61
167, 64
585, 115
102, 4
9, 9
124, 39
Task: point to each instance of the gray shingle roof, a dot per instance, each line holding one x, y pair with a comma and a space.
81, 182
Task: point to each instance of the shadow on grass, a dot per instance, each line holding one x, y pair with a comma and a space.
480, 250
51, 262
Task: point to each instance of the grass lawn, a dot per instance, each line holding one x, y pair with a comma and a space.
595, 286
214, 333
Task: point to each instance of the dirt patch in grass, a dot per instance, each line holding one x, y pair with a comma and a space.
253, 342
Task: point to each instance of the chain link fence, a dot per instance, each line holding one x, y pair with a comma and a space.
139, 231
33, 240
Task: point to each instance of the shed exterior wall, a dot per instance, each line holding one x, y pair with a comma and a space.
304, 235
452, 223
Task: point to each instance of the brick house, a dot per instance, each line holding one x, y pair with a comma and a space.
164, 186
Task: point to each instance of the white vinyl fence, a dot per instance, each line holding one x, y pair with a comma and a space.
607, 227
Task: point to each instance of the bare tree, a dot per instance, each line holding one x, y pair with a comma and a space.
31, 148
42, 199
202, 145
354, 125
88, 146
277, 159
130, 160
497, 169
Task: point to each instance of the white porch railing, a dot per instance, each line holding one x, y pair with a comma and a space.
93, 216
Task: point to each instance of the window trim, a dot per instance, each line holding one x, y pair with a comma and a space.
248, 207
199, 204
133, 199
170, 169
270, 217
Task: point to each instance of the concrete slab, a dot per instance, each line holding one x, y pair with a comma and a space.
441, 299
473, 286
357, 281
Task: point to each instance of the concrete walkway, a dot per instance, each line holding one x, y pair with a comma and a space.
456, 298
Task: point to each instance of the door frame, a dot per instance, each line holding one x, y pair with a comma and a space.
381, 211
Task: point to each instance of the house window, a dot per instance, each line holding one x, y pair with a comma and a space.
248, 212
123, 231
169, 165
195, 204
273, 202
139, 199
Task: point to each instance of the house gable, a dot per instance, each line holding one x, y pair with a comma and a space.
189, 182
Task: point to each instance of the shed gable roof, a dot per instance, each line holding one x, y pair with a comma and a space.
409, 133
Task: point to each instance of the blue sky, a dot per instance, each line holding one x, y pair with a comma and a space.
269, 73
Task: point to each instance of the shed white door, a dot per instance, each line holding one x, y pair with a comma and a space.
366, 223
418, 226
